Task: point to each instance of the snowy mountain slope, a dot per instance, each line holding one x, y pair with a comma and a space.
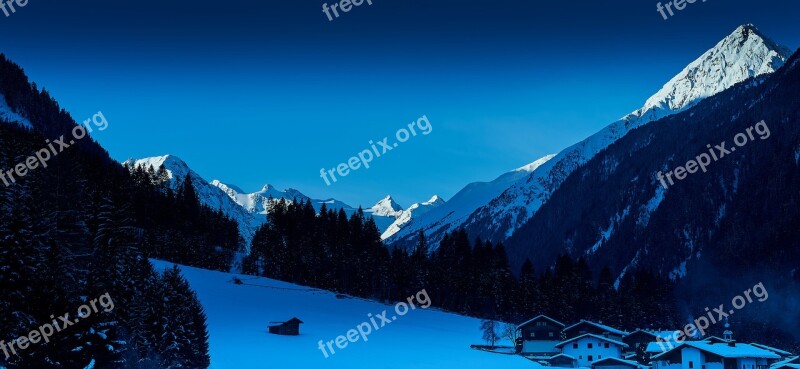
238, 316
742, 55
258, 202
453, 213
209, 194
385, 212
413, 211
10, 116
248, 209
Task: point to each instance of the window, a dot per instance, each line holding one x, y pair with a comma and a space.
533, 334
588, 345
590, 358
691, 364
550, 334
575, 345
580, 357
599, 357
605, 345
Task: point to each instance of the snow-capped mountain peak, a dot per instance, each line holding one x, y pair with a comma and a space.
435, 200
738, 57
743, 54
386, 207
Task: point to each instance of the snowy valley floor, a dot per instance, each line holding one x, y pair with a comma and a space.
238, 316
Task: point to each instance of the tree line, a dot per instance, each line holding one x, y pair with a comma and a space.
332, 251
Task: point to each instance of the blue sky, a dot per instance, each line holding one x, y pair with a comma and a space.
253, 92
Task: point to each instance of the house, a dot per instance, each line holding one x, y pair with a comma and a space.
562, 361
585, 326
590, 347
290, 327
639, 344
711, 354
615, 363
539, 336
783, 354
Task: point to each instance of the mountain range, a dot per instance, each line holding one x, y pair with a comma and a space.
496, 210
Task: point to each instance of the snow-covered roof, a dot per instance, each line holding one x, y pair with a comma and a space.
768, 348
789, 366
540, 317
564, 356
654, 347
664, 335
616, 360
791, 360
739, 350
589, 335
598, 325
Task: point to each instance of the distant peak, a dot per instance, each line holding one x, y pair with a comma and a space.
386, 205
435, 200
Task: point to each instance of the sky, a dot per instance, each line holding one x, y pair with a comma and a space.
251, 92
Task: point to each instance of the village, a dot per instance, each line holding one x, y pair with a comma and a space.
594, 345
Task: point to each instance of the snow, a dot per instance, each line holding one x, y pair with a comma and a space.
413, 211
740, 350
238, 316
248, 209
742, 55
651, 206
10, 116
797, 155
451, 215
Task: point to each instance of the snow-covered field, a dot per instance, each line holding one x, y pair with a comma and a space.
238, 316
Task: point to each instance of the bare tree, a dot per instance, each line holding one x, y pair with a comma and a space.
510, 332
489, 333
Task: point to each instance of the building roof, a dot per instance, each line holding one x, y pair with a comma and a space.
589, 335
562, 355
791, 360
654, 347
618, 361
787, 366
541, 317
598, 325
664, 335
293, 320
740, 350
777, 351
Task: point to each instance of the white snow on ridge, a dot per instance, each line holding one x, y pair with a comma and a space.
248, 209
208, 194
9, 115
238, 316
744, 54
451, 214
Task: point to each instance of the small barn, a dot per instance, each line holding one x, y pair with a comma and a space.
290, 327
